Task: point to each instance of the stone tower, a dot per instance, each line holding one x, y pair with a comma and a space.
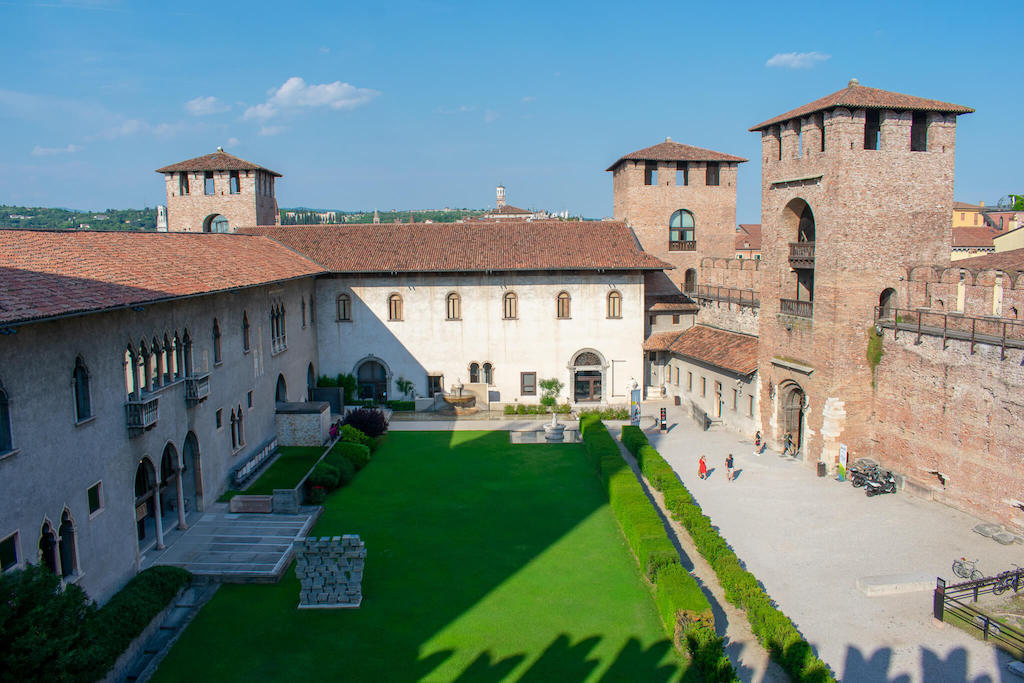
501, 196
218, 193
681, 202
854, 185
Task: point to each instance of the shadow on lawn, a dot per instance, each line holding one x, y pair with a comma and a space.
564, 661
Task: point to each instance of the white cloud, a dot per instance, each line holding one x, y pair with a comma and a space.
272, 130
325, 50
204, 106
233, 142
38, 151
529, 98
797, 60
491, 116
295, 94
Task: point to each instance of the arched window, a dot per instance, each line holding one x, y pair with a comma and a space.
216, 342
690, 281
887, 304
511, 306
186, 354
344, 307
474, 373
144, 367
179, 361
6, 442
303, 312
681, 231
245, 331
80, 380
240, 426
68, 551
130, 375
158, 363
312, 309
234, 430
614, 304
454, 307
170, 360
562, 309
48, 548
395, 307
488, 370
281, 392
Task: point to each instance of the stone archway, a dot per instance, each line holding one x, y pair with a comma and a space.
148, 525
791, 406
587, 377
191, 474
215, 223
281, 391
372, 379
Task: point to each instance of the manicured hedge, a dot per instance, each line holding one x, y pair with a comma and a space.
773, 628
355, 453
685, 610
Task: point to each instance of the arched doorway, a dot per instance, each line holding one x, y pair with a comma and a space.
372, 378
281, 393
690, 281
169, 474
587, 377
215, 223
48, 548
887, 304
310, 382
191, 473
146, 521
793, 401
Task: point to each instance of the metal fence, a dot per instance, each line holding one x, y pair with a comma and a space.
951, 603
1002, 332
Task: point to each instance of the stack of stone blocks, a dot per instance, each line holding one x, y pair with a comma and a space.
330, 571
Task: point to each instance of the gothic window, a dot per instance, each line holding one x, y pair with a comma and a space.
344, 307
614, 305
474, 373
454, 307
681, 229
170, 362
234, 431
303, 312
80, 379
240, 427
488, 373
562, 305
395, 307
245, 331
511, 306
216, 342
68, 551
6, 442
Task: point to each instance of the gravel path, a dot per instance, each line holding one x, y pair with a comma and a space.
809, 539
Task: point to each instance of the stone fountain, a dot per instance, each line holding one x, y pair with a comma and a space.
553, 431
457, 403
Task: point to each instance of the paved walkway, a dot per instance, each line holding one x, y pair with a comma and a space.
810, 539
235, 548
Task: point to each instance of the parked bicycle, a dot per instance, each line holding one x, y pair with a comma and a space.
967, 569
1007, 580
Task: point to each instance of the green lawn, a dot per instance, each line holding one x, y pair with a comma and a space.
485, 561
284, 473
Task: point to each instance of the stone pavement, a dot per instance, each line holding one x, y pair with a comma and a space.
235, 548
809, 540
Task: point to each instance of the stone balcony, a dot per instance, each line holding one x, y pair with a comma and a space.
142, 414
197, 388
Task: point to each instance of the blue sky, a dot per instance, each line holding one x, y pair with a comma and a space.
432, 104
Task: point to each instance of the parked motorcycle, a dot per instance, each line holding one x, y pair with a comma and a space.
866, 474
884, 483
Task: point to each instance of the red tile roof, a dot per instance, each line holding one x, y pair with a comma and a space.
218, 161
964, 206
855, 96
1003, 260
748, 237
970, 236
509, 209
466, 247
675, 151
668, 307
730, 351
52, 273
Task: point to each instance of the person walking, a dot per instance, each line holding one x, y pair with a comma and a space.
728, 467
702, 468
757, 443
787, 443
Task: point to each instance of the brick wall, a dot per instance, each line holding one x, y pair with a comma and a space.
254, 204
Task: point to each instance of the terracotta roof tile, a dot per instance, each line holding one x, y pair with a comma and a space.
675, 151
856, 96
466, 247
509, 209
964, 206
748, 236
218, 161
52, 273
730, 351
970, 236
668, 307
1003, 260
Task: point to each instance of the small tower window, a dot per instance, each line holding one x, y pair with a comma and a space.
919, 132
208, 187
712, 173
821, 130
650, 173
183, 183
682, 173
872, 129
233, 183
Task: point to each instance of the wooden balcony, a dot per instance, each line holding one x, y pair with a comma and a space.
796, 307
142, 414
801, 254
682, 245
197, 388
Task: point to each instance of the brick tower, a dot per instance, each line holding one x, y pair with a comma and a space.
219, 192
681, 202
854, 185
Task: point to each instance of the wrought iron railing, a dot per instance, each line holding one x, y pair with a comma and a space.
730, 295
950, 604
197, 388
1002, 332
142, 414
682, 245
801, 254
796, 307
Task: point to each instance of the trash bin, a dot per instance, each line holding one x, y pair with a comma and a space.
822, 469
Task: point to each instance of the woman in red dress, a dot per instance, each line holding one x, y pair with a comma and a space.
703, 469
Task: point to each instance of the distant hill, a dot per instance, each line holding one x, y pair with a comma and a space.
40, 218
304, 216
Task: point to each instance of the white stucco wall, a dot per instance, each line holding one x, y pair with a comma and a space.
425, 342
674, 373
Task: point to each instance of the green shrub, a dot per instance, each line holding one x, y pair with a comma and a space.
355, 453
563, 408
510, 409
325, 381
606, 413
633, 438
346, 471
348, 384
325, 476
401, 405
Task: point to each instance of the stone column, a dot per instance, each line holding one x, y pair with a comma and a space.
159, 521
833, 419
181, 497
